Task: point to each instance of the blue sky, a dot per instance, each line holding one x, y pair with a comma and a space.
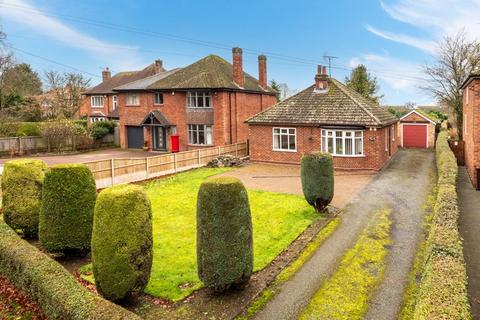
394, 38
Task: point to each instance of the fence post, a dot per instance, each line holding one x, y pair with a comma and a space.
236, 150
219, 152
198, 156
112, 167
146, 167
174, 162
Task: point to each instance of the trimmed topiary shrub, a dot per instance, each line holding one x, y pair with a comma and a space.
317, 179
224, 234
22, 194
68, 201
122, 241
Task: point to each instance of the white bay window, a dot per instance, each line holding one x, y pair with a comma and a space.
342, 142
284, 139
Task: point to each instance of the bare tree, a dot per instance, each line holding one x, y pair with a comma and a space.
457, 58
6, 63
66, 91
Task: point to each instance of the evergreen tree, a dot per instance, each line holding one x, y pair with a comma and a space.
365, 84
276, 87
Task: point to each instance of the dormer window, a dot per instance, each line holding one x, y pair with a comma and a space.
199, 99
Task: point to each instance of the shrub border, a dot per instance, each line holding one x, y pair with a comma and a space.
443, 286
54, 289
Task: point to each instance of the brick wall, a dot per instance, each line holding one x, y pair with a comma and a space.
230, 110
87, 109
375, 142
471, 129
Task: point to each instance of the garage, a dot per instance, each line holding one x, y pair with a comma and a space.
134, 137
417, 130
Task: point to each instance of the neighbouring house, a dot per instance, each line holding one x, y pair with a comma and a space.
203, 104
101, 101
417, 130
329, 117
471, 127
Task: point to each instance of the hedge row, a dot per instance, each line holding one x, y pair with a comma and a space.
443, 287
44, 280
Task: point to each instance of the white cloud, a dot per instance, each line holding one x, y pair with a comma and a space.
115, 55
435, 18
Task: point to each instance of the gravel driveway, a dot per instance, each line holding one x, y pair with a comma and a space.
401, 186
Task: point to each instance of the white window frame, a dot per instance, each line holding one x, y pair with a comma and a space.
466, 94
193, 96
288, 134
95, 99
207, 133
155, 98
97, 119
114, 102
131, 95
324, 138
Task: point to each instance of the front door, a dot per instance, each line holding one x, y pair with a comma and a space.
159, 138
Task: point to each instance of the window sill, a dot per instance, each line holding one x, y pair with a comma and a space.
284, 150
349, 156
199, 108
97, 107
132, 105
158, 104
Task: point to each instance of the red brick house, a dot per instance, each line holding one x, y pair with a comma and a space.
471, 127
326, 116
101, 101
205, 104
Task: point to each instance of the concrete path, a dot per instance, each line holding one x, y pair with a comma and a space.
405, 176
469, 225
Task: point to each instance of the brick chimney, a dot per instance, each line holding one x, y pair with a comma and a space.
106, 74
321, 78
158, 66
238, 66
262, 70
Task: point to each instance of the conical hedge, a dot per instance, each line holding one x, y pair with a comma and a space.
224, 234
22, 194
122, 241
317, 179
68, 200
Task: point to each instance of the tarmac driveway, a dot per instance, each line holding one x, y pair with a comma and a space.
403, 187
286, 179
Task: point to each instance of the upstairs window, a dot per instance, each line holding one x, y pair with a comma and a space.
132, 99
114, 102
284, 139
158, 98
97, 101
199, 99
342, 142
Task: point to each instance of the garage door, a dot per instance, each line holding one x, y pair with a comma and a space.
414, 136
135, 137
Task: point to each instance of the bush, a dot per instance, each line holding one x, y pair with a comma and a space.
28, 129
22, 193
68, 201
122, 241
44, 280
100, 129
317, 179
224, 234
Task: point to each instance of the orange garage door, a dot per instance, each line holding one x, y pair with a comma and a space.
414, 136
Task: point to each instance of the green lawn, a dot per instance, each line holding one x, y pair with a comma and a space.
277, 220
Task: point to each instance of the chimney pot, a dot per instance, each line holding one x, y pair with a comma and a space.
262, 70
321, 79
238, 76
106, 74
158, 66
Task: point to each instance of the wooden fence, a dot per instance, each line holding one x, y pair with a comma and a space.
122, 170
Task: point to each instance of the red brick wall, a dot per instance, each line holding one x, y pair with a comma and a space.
471, 129
87, 109
230, 110
309, 140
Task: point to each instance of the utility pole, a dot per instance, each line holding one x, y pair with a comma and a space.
329, 58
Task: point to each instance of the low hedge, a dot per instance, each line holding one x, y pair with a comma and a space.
443, 287
68, 201
22, 194
122, 241
54, 289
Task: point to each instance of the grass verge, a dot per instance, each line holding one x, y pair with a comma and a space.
277, 220
346, 293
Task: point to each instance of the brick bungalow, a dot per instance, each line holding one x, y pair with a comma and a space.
204, 104
101, 101
326, 116
471, 127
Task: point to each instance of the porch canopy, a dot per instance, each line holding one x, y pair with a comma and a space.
155, 118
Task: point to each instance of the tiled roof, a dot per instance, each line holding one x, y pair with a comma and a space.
340, 105
120, 79
211, 72
144, 83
